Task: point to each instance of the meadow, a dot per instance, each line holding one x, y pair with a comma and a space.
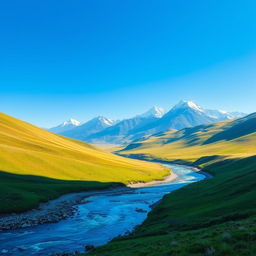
215, 216
211, 217
37, 165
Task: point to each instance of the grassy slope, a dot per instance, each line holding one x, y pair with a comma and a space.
226, 138
234, 238
28, 150
22, 192
212, 217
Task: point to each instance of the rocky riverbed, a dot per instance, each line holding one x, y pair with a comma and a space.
50, 212
97, 218
63, 207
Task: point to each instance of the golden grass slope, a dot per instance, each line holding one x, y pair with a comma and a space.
27, 149
233, 138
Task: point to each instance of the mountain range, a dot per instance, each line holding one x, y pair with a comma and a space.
82, 131
196, 216
102, 130
230, 137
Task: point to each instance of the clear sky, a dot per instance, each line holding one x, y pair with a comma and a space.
81, 58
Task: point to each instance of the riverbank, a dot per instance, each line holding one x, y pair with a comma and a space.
194, 167
172, 177
188, 222
65, 206
50, 212
98, 219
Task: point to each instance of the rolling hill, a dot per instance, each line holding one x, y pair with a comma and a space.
212, 217
230, 138
30, 155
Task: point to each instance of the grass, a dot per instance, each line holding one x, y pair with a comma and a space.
21, 192
28, 150
228, 138
212, 217
229, 195
236, 238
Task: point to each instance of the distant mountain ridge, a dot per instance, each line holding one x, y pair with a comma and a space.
37, 165
102, 130
65, 126
157, 112
94, 125
215, 139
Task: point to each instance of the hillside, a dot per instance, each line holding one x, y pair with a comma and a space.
221, 138
212, 217
28, 150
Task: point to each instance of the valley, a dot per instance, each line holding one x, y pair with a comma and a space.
99, 217
225, 151
215, 217
37, 166
102, 130
128, 128
212, 217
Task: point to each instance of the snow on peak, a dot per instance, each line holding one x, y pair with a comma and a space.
223, 111
188, 104
106, 121
154, 112
71, 121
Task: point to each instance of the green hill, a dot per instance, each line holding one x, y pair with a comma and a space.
213, 217
54, 165
228, 138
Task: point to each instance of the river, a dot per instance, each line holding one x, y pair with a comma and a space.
97, 221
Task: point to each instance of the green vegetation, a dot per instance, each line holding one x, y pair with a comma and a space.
21, 192
229, 138
214, 217
28, 150
234, 238
230, 195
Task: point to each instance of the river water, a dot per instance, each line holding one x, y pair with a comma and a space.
97, 221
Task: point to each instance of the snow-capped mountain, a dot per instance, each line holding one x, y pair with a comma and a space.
221, 115
153, 112
127, 129
184, 114
65, 126
189, 114
95, 125
183, 104
71, 121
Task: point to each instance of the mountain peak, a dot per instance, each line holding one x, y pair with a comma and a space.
154, 112
67, 125
105, 121
71, 121
187, 104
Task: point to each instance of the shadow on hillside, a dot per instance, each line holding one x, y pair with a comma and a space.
19, 193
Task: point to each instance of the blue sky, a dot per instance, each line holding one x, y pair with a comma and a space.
79, 59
